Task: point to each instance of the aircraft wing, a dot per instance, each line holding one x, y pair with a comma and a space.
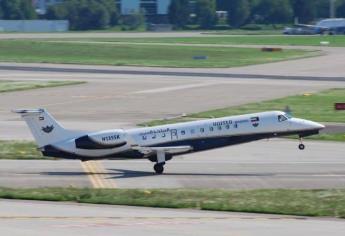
167, 150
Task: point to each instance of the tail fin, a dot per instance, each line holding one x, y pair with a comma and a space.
45, 129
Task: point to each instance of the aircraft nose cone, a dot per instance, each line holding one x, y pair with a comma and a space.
320, 126
316, 125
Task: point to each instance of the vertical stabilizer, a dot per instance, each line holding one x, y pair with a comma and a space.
45, 129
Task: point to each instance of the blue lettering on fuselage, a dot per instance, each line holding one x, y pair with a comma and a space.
158, 131
224, 122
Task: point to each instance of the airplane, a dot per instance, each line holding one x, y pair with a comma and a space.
160, 144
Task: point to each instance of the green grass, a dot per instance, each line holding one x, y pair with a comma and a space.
19, 150
143, 55
10, 86
335, 41
315, 106
290, 202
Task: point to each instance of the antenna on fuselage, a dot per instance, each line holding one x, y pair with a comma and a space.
288, 110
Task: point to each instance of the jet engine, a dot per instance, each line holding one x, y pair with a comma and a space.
102, 140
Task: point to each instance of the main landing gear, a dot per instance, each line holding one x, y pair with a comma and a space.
159, 166
301, 146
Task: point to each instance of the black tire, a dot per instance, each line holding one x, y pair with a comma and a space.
301, 147
159, 168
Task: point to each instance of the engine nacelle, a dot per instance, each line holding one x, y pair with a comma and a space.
102, 140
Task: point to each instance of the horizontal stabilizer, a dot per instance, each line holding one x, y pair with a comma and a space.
28, 111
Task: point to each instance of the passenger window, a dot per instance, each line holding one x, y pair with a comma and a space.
183, 132
227, 126
202, 130
219, 127
211, 128
144, 137
281, 118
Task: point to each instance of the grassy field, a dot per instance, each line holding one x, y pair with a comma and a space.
317, 107
143, 55
335, 41
291, 202
10, 86
19, 150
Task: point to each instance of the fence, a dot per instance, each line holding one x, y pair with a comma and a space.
34, 25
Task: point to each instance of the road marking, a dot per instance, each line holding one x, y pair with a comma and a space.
90, 174
97, 175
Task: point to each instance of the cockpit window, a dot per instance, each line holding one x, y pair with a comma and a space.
288, 115
282, 118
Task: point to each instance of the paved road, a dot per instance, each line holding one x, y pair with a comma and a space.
169, 72
101, 35
263, 164
54, 219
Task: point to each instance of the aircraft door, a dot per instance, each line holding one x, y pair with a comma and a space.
174, 135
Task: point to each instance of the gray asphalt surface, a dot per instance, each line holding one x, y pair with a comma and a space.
54, 219
131, 71
264, 164
117, 100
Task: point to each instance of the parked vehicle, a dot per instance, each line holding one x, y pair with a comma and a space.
330, 26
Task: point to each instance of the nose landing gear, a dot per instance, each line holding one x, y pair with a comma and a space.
301, 146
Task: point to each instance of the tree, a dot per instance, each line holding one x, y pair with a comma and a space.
222, 5
179, 13
57, 12
91, 15
133, 21
82, 14
110, 5
274, 12
17, 9
305, 10
1, 12
238, 12
322, 8
206, 13
27, 9
341, 9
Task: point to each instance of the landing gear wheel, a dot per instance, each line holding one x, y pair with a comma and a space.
301, 146
159, 168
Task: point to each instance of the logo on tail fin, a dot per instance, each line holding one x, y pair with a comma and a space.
48, 129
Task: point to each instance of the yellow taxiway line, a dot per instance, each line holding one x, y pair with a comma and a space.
97, 175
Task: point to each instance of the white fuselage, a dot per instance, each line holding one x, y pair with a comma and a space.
199, 135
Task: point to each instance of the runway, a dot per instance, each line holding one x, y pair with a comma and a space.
259, 165
54, 219
121, 100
